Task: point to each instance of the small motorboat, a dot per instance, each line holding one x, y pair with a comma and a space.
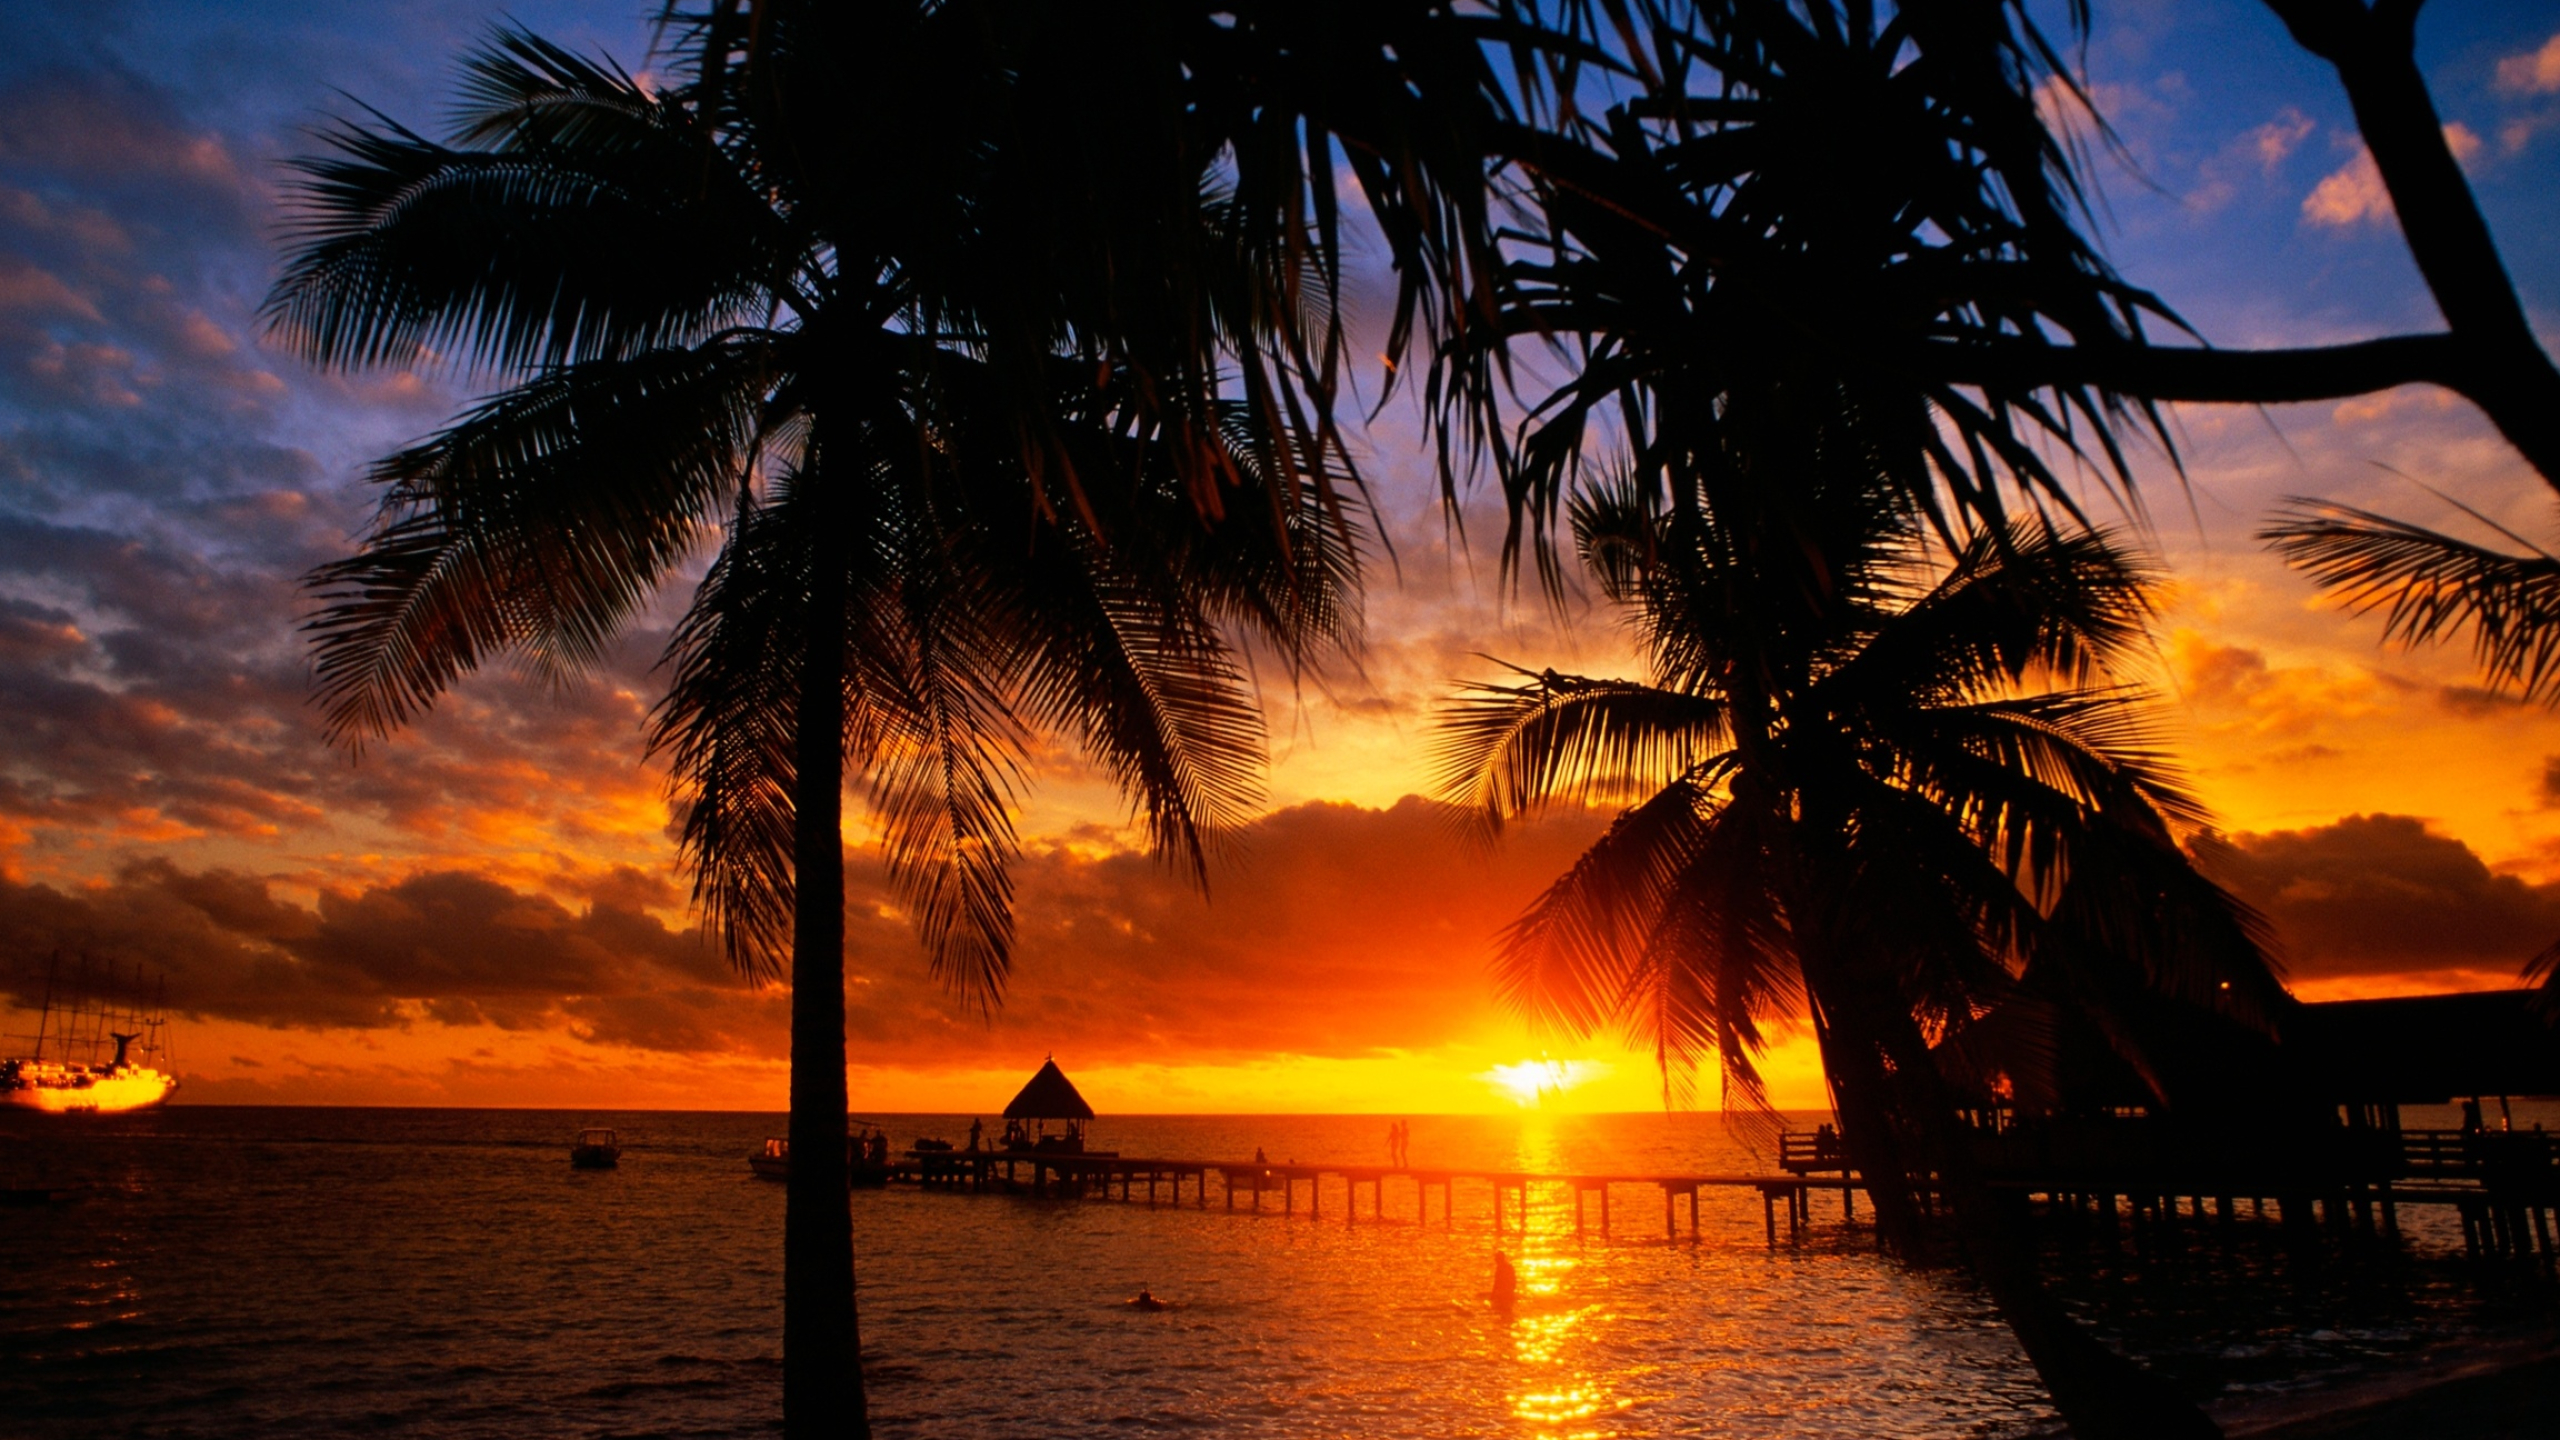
597, 1149
773, 1162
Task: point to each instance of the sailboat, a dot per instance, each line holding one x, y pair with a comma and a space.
70, 1068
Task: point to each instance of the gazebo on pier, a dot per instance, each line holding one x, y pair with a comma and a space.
1050, 1097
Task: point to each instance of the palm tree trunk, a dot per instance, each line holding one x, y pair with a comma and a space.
2101, 1394
1853, 1064
822, 1393
1874, 1149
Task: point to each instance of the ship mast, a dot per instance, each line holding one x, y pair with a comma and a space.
44, 1017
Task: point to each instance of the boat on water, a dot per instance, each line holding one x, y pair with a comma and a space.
83, 1058
773, 1162
596, 1149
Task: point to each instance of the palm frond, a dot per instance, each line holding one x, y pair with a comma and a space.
944, 782
1719, 965
1505, 750
1793, 194
2430, 587
726, 729
1579, 953
2072, 605
569, 243
539, 522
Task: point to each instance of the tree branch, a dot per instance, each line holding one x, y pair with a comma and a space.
2375, 55
2241, 377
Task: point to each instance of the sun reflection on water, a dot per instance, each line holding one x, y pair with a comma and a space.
1556, 1390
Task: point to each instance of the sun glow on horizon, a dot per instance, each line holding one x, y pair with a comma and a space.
1528, 1083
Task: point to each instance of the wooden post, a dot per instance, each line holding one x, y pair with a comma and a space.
1670, 1222
1604, 1209
1769, 1214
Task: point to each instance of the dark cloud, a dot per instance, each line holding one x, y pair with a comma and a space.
2382, 894
450, 947
1333, 930
2472, 702
1336, 931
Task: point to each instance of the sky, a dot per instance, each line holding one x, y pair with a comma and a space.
486, 910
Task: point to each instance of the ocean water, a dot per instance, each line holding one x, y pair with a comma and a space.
257, 1272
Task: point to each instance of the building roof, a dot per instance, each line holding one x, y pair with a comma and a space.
1049, 1096
2427, 1049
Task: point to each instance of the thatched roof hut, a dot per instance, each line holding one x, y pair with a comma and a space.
1049, 1096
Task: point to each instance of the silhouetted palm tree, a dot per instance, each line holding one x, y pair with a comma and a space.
1012, 420
1791, 245
1888, 784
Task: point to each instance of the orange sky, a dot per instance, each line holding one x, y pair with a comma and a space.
484, 911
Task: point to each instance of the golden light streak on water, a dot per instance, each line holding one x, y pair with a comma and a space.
1555, 1327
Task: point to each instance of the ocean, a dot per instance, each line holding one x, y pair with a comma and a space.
275, 1272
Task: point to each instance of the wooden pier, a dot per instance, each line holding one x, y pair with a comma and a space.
1243, 1184
2505, 1187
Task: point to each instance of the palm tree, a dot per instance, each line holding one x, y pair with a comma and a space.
1869, 779
1791, 251
899, 515
1013, 423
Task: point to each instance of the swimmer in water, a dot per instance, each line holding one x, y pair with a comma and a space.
1506, 1283
1147, 1301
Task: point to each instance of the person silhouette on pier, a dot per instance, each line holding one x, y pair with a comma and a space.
977, 1131
1506, 1285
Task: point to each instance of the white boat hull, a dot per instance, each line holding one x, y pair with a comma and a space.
111, 1093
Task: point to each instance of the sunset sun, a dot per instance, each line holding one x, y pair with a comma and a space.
1528, 1083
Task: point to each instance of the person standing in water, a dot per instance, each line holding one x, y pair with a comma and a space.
1506, 1283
